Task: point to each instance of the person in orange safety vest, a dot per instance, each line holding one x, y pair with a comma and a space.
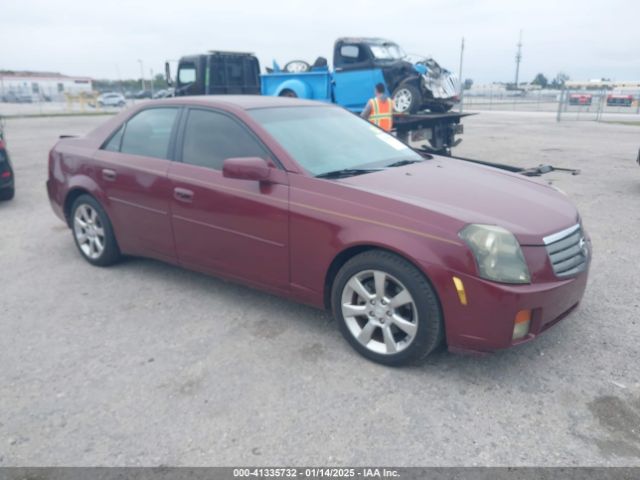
379, 110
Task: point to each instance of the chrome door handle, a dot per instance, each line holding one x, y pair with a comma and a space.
109, 175
183, 195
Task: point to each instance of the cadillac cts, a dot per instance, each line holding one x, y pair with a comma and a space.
308, 201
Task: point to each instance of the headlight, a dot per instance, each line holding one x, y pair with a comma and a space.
497, 253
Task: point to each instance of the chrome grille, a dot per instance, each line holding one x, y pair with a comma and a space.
568, 251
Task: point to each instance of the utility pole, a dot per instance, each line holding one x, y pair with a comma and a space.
518, 58
141, 73
460, 75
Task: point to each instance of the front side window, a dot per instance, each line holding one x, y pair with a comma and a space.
210, 138
148, 133
326, 139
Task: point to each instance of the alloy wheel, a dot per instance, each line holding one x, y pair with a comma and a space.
89, 231
379, 311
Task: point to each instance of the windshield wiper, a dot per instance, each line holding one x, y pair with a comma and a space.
347, 172
402, 163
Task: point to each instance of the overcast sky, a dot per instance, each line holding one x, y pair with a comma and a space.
586, 39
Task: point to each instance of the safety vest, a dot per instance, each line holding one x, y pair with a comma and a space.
382, 113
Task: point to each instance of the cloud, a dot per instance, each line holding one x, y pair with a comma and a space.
105, 40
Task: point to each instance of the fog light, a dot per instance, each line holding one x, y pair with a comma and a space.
521, 324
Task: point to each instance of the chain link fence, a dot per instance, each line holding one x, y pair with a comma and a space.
599, 105
567, 104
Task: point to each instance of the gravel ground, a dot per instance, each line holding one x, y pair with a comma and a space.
147, 364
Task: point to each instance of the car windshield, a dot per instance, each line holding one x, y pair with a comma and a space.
387, 51
328, 139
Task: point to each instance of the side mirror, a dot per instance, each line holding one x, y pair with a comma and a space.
246, 168
167, 74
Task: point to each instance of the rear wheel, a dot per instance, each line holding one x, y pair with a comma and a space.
406, 98
386, 308
93, 233
288, 93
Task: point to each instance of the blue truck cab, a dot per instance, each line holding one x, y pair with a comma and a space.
359, 64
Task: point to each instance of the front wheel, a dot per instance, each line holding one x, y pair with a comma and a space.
93, 233
406, 98
386, 308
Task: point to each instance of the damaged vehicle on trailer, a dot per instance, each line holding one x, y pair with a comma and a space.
414, 83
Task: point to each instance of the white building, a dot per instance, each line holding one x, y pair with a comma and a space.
41, 85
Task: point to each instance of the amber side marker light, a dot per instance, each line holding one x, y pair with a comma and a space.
521, 324
462, 295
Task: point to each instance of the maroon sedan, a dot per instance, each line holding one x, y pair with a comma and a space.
308, 201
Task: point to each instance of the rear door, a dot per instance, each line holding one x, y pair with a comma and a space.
132, 170
235, 227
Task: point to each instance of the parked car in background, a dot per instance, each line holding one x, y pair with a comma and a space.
111, 99
164, 93
142, 94
17, 97
580, 99
618, 100
306, 200
7, 182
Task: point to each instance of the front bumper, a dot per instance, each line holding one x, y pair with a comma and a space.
486, 323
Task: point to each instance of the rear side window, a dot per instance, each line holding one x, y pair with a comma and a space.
113, 145
149, 132
210, 138
350, 52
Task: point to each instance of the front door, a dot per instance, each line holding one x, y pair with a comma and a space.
355, 77
238, 228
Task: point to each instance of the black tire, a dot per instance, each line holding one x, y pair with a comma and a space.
7, 194
404, 106
430, 331
288, 93
111, 252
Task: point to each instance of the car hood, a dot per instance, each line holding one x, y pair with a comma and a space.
472, 193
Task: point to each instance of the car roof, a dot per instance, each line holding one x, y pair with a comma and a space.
243, 102
368, 40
